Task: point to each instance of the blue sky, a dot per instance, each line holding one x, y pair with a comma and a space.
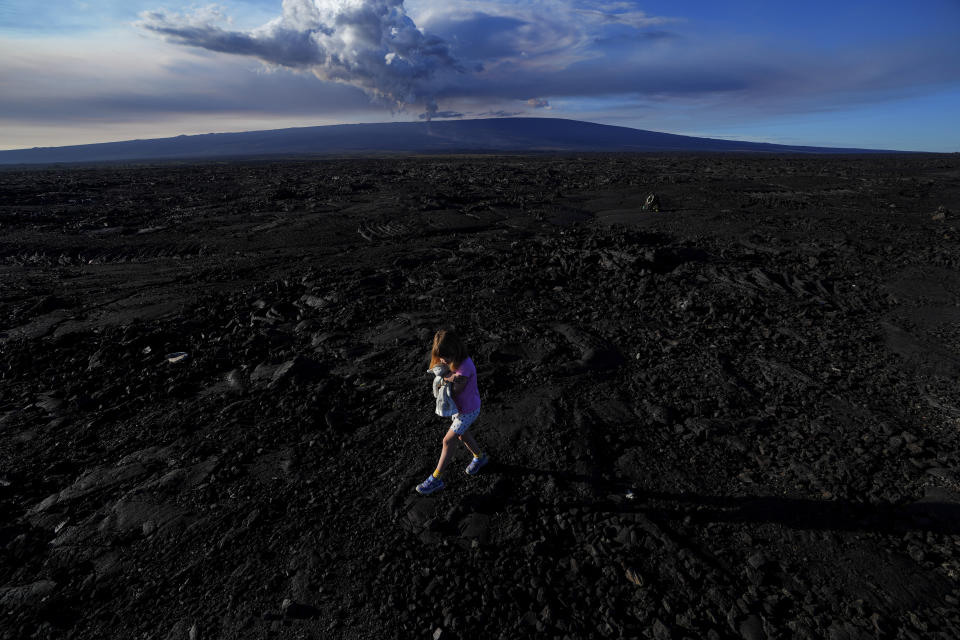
853, 74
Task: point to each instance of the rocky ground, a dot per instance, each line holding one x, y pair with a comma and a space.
736, 417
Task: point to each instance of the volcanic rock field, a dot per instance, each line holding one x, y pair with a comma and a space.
734, 417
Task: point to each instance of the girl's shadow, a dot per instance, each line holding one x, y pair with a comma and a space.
937, 512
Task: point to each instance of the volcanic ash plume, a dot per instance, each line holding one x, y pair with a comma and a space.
370, 44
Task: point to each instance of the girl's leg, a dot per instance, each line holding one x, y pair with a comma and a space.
471, 443
445, 452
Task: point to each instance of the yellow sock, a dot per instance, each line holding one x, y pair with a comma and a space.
436, 473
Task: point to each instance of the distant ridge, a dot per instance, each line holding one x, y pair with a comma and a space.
512, 135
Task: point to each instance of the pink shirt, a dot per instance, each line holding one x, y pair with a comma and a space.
468, 400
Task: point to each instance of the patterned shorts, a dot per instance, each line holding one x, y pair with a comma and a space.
462, 421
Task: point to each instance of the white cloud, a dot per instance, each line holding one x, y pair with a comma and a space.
455, 49
369, 44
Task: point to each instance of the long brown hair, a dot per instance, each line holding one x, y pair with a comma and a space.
449, 346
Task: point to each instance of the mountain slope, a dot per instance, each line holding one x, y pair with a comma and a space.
487, 135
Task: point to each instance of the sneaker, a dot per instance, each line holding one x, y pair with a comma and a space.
429, 485
476, 463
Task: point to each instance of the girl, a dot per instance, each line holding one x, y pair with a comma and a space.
449, 350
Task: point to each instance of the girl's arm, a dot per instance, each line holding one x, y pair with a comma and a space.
458, 382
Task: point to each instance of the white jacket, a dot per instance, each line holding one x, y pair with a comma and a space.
442, 392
